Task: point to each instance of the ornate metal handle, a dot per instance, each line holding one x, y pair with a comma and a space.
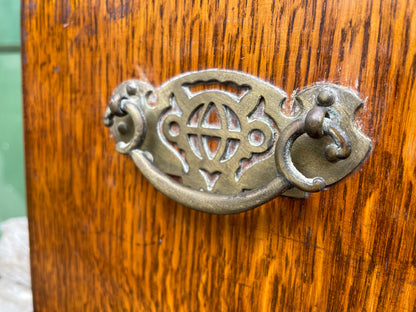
209, 141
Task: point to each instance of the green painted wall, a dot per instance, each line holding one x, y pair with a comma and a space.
12, 183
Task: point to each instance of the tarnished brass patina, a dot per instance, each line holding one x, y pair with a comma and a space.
218, 141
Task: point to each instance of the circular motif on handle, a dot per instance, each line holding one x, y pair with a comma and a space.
256, 137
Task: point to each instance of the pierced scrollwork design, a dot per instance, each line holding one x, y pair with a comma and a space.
218, 141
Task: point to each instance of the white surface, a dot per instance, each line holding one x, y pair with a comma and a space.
15, 285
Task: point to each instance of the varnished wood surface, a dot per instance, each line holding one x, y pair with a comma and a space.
103, 239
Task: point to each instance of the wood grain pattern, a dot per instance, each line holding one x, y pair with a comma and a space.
103, 239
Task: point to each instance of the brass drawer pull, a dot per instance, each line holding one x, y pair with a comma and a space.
218, 141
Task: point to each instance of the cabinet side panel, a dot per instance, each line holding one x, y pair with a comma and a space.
103, 239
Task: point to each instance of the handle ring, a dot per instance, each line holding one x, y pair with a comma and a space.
316, 124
